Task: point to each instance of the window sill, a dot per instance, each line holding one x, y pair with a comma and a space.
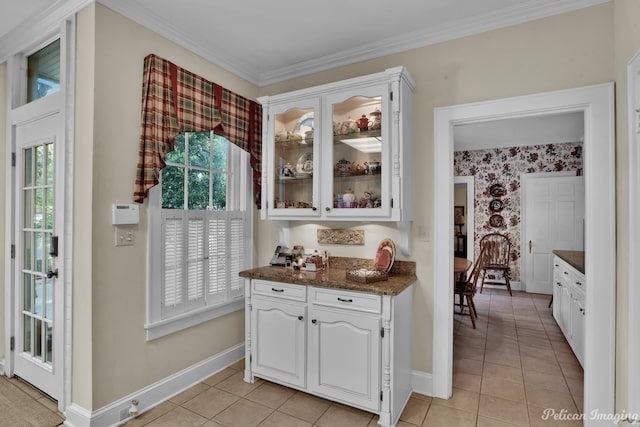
165, 327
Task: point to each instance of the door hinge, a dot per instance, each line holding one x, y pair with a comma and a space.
380, 395
250, 358
391, 95
13, 251
13, 159
12, 343
392, 203
382, 332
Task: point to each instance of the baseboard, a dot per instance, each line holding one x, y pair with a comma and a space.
1, 366
154, 394
422, 382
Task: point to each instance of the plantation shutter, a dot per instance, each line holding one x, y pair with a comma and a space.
236, 252
195, 259
173, 263
217, 256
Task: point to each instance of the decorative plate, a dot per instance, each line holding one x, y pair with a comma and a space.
497, 190
496, 220
385, 255
304, 166
304, 125
496, 205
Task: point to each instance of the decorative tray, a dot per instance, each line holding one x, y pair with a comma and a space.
363, 275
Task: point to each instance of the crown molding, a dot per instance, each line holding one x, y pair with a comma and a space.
48, 21
45, 23
465, 27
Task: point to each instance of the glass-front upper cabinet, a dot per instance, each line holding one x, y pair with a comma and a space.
340, 151
358, 153
293, 160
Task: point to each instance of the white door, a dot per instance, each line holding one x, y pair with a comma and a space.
553, 209
39, 294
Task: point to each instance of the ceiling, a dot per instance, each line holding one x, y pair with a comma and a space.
268, 42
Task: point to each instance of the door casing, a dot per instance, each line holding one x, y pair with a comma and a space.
597, 104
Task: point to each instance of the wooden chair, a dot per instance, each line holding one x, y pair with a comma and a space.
465, 289
495, 252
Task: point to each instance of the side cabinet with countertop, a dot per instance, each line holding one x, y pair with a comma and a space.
568, 300
348, 346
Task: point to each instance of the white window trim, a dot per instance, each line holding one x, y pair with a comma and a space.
155, 326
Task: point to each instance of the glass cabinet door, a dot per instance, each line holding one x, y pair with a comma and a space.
359, 153
294, 161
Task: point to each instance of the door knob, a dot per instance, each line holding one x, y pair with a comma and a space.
52, 273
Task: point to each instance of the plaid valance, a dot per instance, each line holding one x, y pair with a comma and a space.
175, 100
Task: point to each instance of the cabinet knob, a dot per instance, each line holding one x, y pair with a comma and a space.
313, 208
578, 283
300, 317
581, 310
565, 273
327, 209
314, 321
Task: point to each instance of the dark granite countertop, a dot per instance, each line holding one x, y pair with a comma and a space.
574, 258
401, 277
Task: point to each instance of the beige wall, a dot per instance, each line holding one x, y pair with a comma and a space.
113, 279
563, 51
627, 43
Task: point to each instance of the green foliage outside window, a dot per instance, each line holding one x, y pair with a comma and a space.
196, 168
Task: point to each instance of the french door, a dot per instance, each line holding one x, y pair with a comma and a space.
38, 287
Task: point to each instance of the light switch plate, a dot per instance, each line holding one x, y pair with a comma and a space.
125, 236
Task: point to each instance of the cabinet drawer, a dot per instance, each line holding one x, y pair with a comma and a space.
279, 290
356, 301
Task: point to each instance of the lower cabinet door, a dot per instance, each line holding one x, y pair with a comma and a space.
577, 329
565, 312
345, 356
557, 299
278, 341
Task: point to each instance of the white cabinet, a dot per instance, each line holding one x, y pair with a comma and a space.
345, 347
568, 305
350, 347
340, 151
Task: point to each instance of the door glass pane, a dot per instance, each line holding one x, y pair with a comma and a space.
43, 72
48, 299
37, 338
38, 295
39, 252
28, 167
28, 209
48, 207
27, 244
357, 152
37, 215
26, 293
48, 356
40, 161
49, 163
293, 160
26, 333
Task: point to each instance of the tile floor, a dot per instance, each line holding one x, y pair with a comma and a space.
506, 372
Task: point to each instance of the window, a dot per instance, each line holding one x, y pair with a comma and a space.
200, 228
43, 72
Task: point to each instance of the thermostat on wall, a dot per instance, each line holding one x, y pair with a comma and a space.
126, 214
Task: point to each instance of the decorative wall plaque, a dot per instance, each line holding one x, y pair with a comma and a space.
341, 237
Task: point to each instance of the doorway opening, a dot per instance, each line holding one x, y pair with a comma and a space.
597, 106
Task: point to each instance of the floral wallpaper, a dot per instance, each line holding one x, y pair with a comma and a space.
504, 166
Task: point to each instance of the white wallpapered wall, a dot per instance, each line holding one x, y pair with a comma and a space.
504, 166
